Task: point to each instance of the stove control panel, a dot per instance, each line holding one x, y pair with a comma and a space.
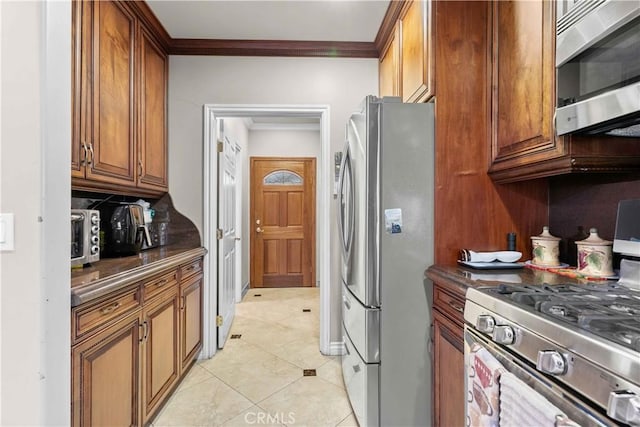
551, 362
624, 406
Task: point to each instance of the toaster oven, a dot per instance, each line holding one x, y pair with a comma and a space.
85, 236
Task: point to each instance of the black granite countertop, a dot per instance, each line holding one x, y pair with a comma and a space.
461, 277
110, 274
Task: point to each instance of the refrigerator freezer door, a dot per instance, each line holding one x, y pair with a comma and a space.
359, 270
361, 381
363, 326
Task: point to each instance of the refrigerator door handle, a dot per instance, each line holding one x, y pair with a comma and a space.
345, 207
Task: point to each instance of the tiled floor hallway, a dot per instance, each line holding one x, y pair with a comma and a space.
258, 379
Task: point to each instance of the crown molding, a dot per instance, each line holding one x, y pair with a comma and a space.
151, 22
388, 23
291, 48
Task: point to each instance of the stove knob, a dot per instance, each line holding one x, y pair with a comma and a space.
624, 406
503, 334
551, 362
95, 219
95, 239
94, 250
485, 323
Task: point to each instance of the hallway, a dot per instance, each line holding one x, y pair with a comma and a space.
258, 378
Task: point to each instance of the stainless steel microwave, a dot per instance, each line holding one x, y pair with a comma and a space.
85, 236
598, 68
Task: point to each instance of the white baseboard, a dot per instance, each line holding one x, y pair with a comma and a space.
245, 289
336, 348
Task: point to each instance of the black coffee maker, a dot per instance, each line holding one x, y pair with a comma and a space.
124, 229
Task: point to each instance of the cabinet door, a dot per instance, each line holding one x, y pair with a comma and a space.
160, 350
389, 72
191, 320
415, 56
152, 118
112, 145
104, 378
81, 13
523, 83
448, 391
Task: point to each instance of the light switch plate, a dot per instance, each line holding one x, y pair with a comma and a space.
6, 232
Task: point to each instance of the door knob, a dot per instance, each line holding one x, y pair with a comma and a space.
259, 230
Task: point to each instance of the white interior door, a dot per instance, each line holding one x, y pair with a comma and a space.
226, 234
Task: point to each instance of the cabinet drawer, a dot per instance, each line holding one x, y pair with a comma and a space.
160, 283
86, 320
190, 269
449, 303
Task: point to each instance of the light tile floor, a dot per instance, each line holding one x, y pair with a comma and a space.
257, 380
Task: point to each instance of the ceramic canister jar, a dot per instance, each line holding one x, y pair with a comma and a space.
546, 249
594, 256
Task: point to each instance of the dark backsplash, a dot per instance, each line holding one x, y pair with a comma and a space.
587, 201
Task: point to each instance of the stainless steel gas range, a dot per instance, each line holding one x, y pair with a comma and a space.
574, 350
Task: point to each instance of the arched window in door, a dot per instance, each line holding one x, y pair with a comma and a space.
282, 177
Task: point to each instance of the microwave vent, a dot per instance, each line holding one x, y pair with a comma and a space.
576, 13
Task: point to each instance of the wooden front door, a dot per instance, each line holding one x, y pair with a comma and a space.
283, 222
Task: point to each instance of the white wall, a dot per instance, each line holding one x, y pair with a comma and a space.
35, 186
340, 83
284, 143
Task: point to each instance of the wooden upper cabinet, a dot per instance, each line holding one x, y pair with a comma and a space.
416, 52
523, 79
523, 140
152, 156
112, 146
389, 73
119, 101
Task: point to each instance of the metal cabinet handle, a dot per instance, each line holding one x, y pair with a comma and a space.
456, 307
90, 160
111, 308
140, 168
83, 160
182, 302
145, 325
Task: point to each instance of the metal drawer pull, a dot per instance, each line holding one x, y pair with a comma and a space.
162, 282
346, 303
456, 307
107, 310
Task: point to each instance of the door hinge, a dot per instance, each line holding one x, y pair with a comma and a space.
219, 233
220, 146
219, 321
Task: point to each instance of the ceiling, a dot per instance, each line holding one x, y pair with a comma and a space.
302, 20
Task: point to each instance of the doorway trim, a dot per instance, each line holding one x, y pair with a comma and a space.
323, 190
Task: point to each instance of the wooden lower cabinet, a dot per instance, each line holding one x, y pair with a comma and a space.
125, 368
104, 376
160, 350
448, 347
191, 320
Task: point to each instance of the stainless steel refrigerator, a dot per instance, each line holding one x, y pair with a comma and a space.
385, 216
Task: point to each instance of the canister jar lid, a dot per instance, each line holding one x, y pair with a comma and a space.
545, 235
594, 239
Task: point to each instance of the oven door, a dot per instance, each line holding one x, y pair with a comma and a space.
502, 389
